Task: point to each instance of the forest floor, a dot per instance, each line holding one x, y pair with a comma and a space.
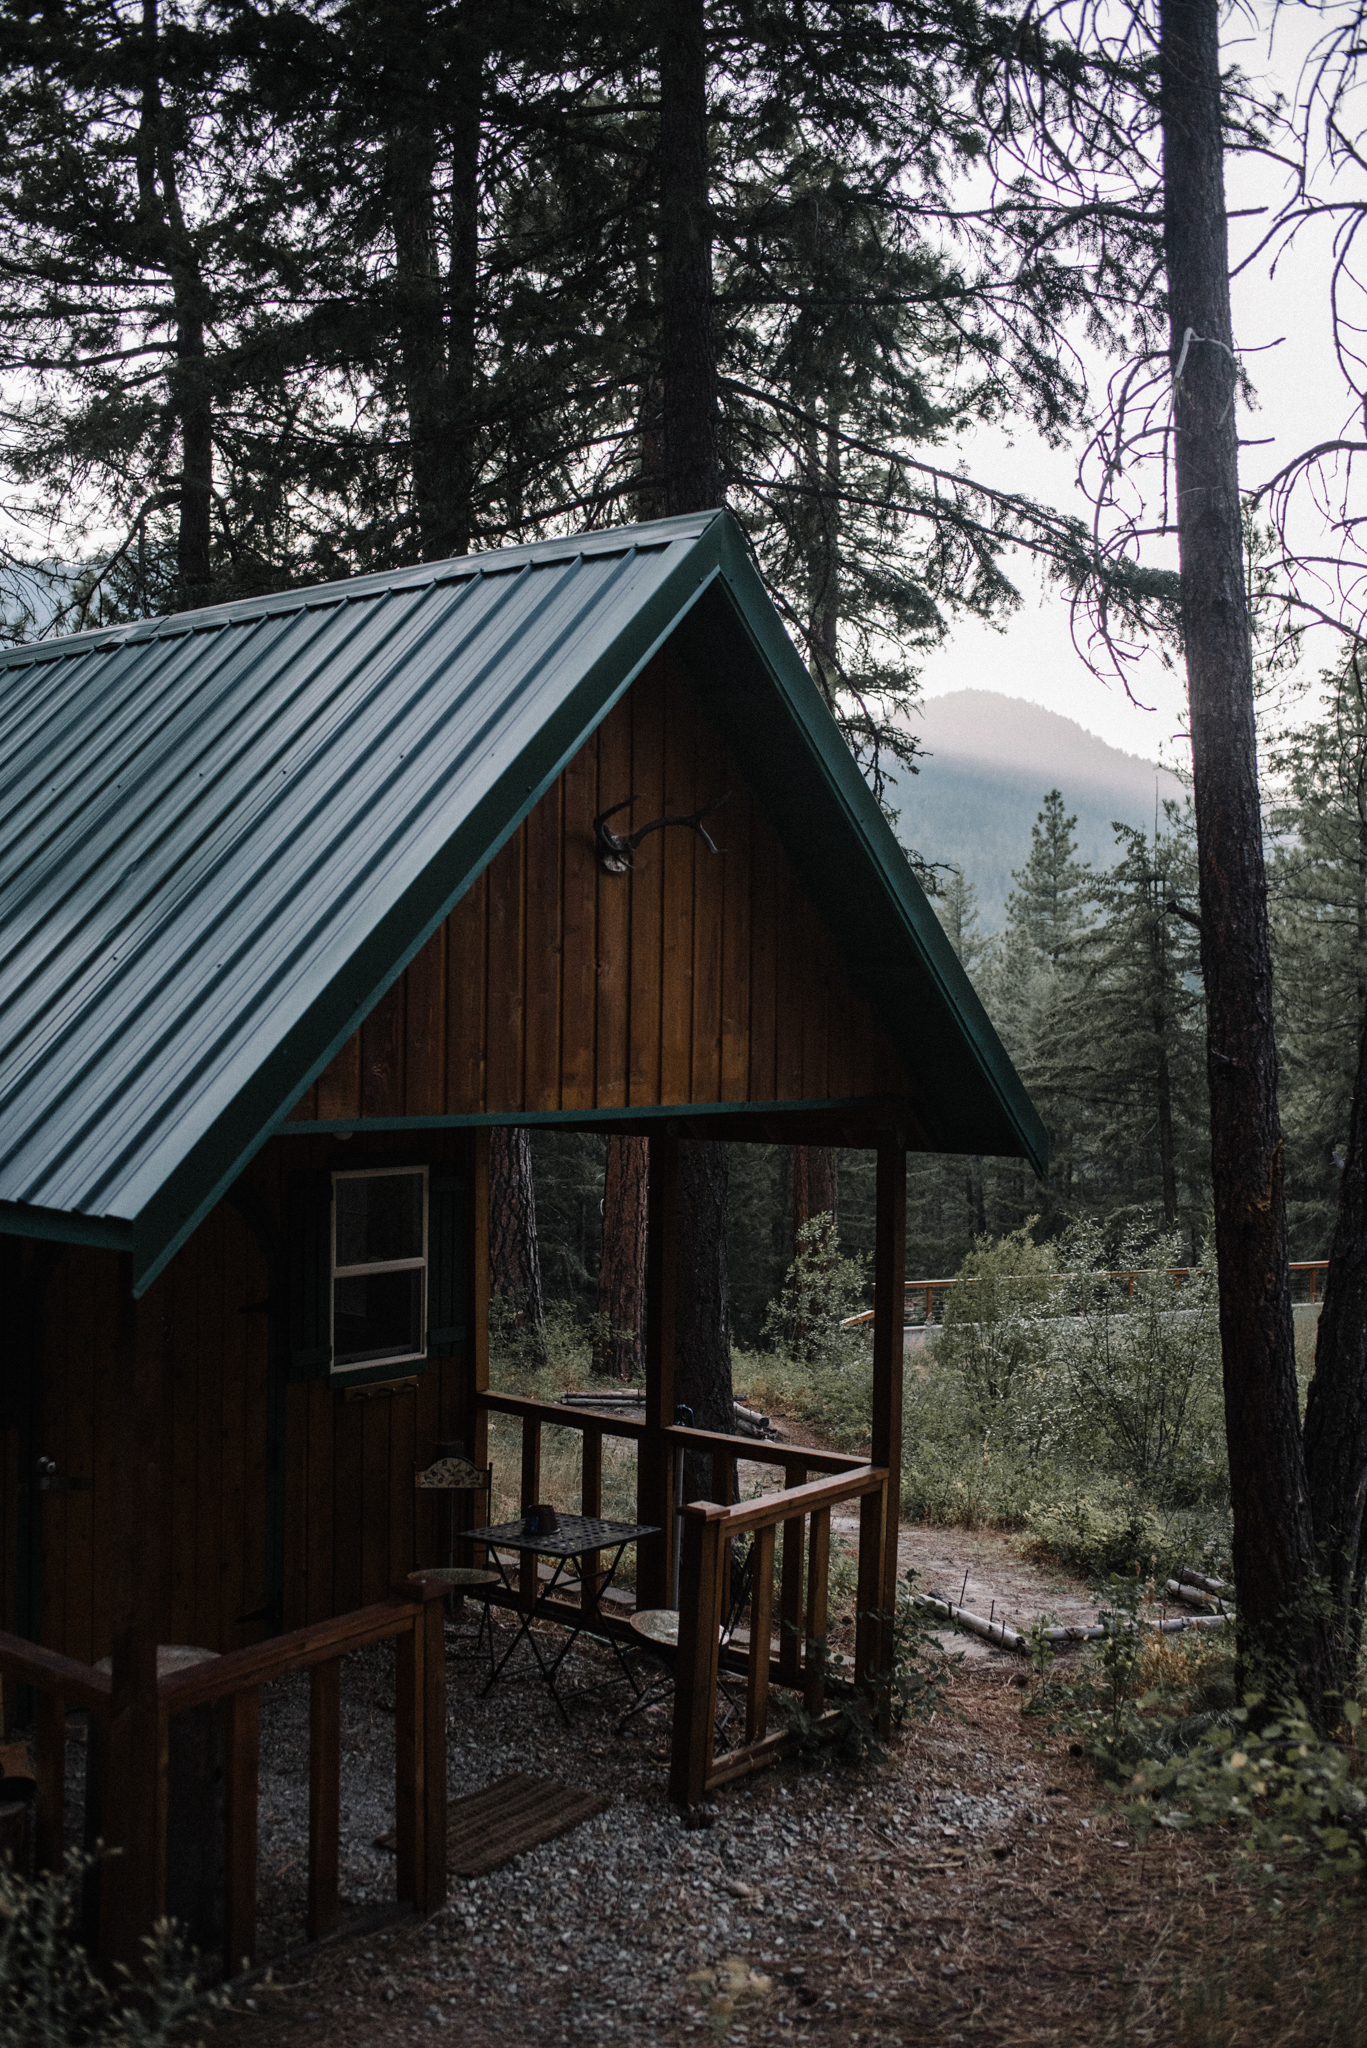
978, 1884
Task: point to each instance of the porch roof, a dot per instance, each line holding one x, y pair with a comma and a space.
230, 831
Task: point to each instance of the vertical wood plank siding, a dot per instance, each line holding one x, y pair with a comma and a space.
350, 1528
698, 977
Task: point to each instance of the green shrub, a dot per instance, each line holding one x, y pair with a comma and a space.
49, 1995
820, 1289
1085, 1409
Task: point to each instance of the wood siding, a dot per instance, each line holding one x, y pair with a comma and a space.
697, 978
349, 1524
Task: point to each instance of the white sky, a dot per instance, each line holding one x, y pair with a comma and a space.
1302, 399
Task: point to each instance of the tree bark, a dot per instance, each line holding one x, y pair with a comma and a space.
463, 287
411, 174
1273, 1539
622, 1274
514, 1259
1167, 1149
170, 247
702, 1339
812, 1184
688, 357
1336, 1411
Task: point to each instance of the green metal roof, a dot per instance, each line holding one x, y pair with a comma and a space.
229, 831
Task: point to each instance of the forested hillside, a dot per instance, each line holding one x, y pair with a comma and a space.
986, 761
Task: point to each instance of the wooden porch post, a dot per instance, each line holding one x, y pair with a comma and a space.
655, 1467
470, 1422
889, 1310
473, 1421
133, 1796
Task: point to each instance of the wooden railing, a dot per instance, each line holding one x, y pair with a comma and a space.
413, 1617
928, 1290
709, 1529
724, 1451
593, 1427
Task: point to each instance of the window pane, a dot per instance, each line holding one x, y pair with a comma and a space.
379, 1217
376, 1316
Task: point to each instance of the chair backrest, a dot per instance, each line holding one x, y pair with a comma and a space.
742, 1576
453, 1475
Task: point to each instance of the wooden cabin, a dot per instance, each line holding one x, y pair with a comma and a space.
311, 889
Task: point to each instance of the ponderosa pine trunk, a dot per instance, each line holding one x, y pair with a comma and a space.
693, 483
813, 1184
463, 286
702, 1316
1336, 1410
1273, 1544
514, 1255
622, 1273
169, 246
410, 174
688, 355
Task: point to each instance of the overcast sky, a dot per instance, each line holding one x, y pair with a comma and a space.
1285, 319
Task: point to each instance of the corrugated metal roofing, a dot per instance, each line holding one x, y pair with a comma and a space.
226, 832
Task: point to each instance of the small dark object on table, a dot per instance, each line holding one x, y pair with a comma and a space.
541, 1521
578, 1536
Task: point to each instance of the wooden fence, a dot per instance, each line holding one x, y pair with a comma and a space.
709, 1530
932, 1292
413, 1617
724, 1451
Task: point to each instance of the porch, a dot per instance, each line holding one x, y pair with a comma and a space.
132, 1706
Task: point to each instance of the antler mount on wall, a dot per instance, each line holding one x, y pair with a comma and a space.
616, 852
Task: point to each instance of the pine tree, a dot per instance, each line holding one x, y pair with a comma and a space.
1049, 907
1318, 883
1120, 1063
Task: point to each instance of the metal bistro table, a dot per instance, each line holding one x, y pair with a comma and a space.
576, 1537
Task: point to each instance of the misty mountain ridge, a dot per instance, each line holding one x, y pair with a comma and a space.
989, 762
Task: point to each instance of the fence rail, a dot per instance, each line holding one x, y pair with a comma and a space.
412, 1616
709, 1530
932, 1292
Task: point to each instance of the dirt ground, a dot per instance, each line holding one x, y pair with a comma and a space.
975, 1885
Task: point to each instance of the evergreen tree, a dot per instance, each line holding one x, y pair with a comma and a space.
1049, 908
1318, 882
1119, 1063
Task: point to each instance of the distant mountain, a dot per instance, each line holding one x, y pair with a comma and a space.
989, 762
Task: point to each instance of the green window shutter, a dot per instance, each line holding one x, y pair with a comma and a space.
448, 1194
310, 1276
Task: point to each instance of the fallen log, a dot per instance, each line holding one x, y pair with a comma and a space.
1004, 1637
1193, 1596
1188, 1577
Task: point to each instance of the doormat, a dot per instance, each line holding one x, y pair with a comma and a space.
486, 1829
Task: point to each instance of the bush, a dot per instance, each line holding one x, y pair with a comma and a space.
821, 1288
49, 1995
1087, 1410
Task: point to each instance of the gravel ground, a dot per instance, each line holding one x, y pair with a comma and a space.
879, 1905
970, 1888
797, 1906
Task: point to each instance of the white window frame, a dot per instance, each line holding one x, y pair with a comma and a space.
376, 1366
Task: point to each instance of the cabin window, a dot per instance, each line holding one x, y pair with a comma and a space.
379, 1267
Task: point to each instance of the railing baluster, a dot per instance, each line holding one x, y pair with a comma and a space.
814, 1690
591, 1503
790, 1592
241, 1746
761, 1625
325, 1792
50, 1806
